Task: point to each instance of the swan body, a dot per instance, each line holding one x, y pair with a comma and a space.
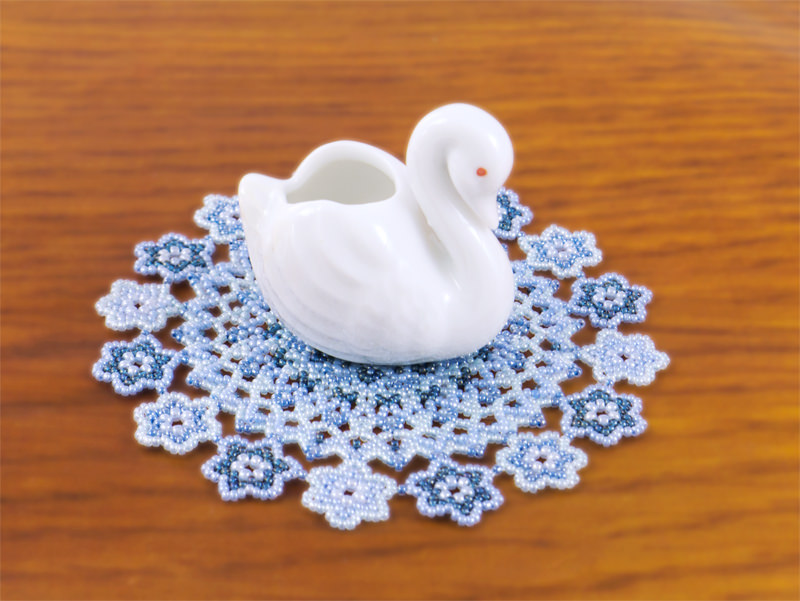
375, 261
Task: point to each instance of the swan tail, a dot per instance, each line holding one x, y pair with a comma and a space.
258, 198
259, 208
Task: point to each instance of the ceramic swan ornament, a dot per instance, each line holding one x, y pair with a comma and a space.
374, 261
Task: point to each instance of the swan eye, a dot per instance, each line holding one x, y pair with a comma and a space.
481, 172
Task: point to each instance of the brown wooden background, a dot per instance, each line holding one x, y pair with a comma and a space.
670, 129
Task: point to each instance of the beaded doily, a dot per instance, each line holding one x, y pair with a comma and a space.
282, 392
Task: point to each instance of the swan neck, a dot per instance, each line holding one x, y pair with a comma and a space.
468, 243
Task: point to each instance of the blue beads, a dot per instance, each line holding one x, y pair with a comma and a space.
560, 251
609, 300
257, 469
614, 357
349, 494
462, 492
513, 215
134, 366
282, 392
177, 423
143, 306
541, 461
220, 215
602, 415
174, 257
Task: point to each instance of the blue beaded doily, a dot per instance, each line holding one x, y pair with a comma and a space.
282, 392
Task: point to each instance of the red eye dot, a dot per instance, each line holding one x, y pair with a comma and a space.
481, 172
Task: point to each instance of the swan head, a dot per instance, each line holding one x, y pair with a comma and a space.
477, 155
480, 162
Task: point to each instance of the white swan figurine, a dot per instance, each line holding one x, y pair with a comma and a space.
374, 261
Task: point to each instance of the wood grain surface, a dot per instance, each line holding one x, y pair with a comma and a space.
670, 129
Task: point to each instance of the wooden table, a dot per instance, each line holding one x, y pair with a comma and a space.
670, 129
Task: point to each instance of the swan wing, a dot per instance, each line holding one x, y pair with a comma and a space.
334, 268
337, 272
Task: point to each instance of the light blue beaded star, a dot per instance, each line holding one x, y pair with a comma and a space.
220, 216
602, 415
174, 257
177, 423
258, 469
349, 494
134, 366
560, 251
609, 300
144, 306
463, 492
615, 357
537, 462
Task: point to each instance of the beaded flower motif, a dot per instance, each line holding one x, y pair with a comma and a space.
173, 257
143, 306
257, 469
463, 492
614, 357
561, 251
177, 423
537, 462
609, 300
349, 494
133, 366
602, 415
283, 392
